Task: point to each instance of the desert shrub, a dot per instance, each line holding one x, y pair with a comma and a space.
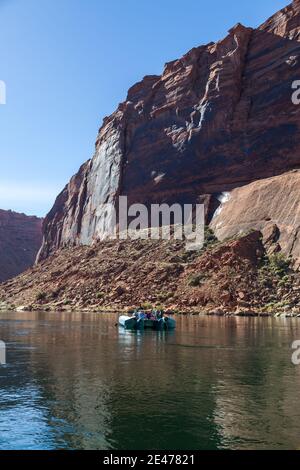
146, 306
160, 307
41, 296
195, 280
285, 281
55, 293
276, 265
279, 264
209, 237
188, 256
164, 295
266, 282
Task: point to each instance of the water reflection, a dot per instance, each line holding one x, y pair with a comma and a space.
77, 381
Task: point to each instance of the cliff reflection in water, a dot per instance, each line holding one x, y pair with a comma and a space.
77, 381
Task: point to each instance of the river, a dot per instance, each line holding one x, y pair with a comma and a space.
76, 381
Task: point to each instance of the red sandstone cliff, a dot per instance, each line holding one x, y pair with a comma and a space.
270, 205
20, 240
216, 119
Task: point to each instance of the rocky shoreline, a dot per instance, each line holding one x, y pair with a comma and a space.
212, 313
240, 277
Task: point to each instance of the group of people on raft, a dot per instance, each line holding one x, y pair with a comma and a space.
153, 315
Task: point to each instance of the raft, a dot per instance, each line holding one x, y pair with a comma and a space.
132, 323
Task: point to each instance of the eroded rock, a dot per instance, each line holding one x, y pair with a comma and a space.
272, 206
216, 119
20, 240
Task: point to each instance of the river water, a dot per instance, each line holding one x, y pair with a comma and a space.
76, 381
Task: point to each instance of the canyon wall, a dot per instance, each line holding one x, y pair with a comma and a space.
216, 119
270, 205
20, 240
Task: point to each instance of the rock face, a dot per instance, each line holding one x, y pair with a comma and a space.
271, 205
216, 119
20, 240
285, 23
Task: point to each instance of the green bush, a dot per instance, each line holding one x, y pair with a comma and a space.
41, 296
209, 240
146, 306
164, 296
195, 280
188, 256
276, 265
284, 281
279, 264
209, 237
55, 293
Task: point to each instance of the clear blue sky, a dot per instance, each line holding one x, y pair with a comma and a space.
68, 63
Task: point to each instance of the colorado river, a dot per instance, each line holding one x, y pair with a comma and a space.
76, 381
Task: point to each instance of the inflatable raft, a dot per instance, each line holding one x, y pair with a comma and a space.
133, 323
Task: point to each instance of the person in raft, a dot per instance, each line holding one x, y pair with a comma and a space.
157, 314
139, 314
